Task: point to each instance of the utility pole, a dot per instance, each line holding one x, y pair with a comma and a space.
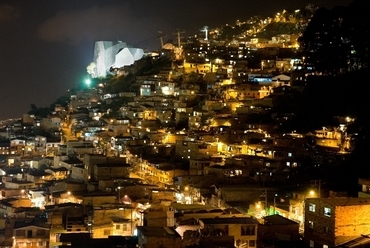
160, 37
178, 32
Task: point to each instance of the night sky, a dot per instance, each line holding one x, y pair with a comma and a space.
45, 45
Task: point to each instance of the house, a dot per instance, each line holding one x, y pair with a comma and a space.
158, 237
104, 171
243, 229
113, 220
30, 233
4, 146
79, 172
159, 215
281, 79
331, 222
66, 218
37, 176
277, 229
365, 187
57, 173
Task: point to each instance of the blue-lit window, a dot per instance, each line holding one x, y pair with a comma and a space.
327, 212
312, 207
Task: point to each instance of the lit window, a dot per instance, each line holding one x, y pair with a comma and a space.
312, 244
327, 212
312, 207
310, 224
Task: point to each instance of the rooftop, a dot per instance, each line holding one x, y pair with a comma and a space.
154, 231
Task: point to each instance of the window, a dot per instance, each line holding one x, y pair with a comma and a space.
106, 232
312, 244
118, 227
326, 229
312, 207
325, 246
327, 212
29, 233
310, 224
124, 227
252, 243
247, 230
41, 243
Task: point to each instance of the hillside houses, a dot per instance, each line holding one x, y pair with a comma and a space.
193, 154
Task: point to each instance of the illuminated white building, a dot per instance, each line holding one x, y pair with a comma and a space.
109, 54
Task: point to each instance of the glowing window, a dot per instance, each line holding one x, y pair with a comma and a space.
327, 212
310, 224
312, 207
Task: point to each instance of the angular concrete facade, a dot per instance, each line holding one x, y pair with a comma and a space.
108, 54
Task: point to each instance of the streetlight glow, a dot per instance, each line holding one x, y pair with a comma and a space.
88, 82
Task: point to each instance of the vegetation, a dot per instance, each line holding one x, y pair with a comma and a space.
42, 112
278, 28
334, 40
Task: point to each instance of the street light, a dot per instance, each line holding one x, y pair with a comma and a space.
88, 82
119, 193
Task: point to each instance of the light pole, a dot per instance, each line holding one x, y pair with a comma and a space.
275, 203
119, 194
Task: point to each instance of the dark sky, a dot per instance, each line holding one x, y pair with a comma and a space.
45, 45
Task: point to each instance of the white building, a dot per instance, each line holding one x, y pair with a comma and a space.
109, 54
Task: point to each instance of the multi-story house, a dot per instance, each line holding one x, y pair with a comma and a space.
37, 176
17, 146
113, 220
165, 116
243, 229
331, 222
29, 233
108, 170
166, 88
201, 67
365, 187
68, 163
79, 173
156, 237
5, 147
83, 99
52, 122
191, 149
247, 91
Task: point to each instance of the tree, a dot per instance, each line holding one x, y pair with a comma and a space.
39, 111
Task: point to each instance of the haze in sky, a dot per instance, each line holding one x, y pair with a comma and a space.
46, 45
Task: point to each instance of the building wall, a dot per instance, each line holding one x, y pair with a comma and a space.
106, 172
159, 242
343, 224
351, 221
